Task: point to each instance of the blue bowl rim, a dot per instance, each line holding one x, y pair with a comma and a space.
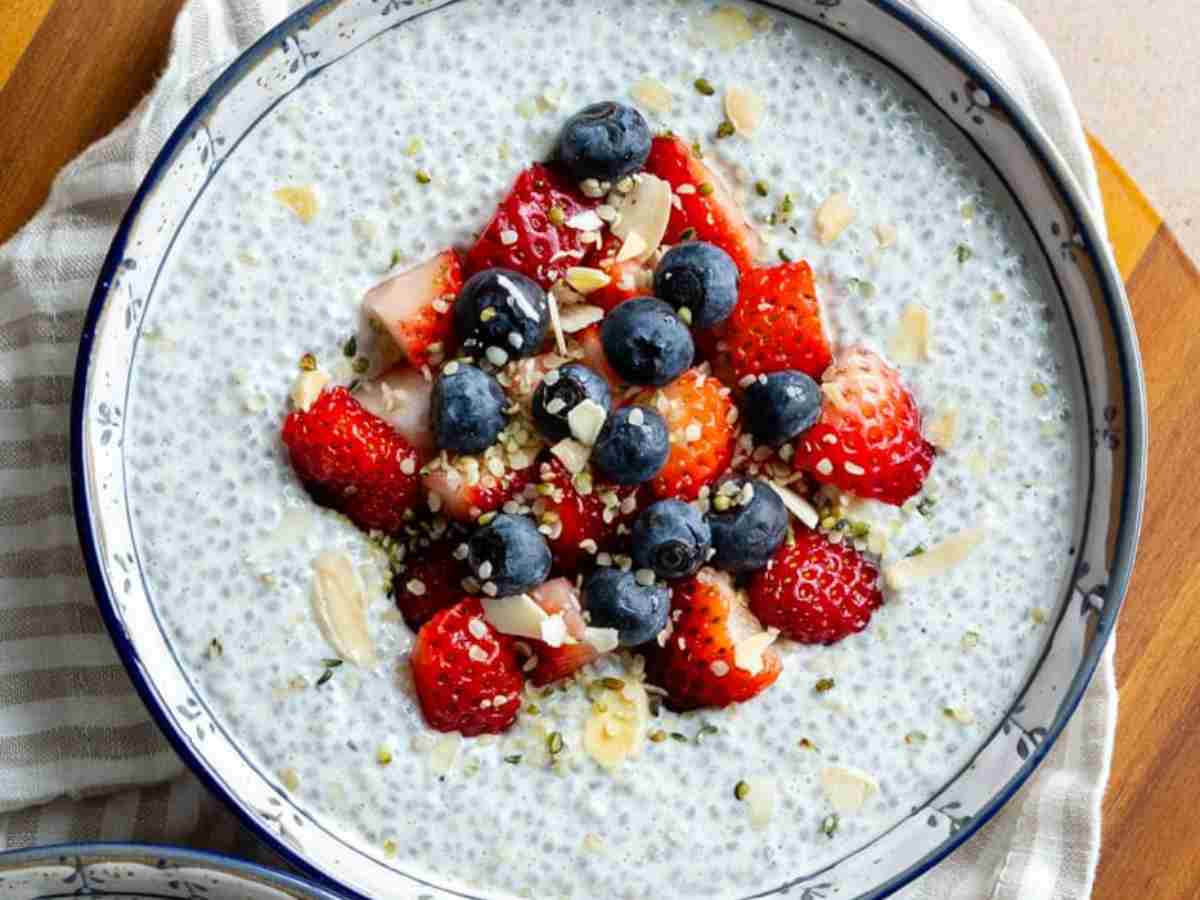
117, 851
1135, 448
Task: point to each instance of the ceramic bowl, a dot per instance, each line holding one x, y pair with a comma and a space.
123, 871
969, 95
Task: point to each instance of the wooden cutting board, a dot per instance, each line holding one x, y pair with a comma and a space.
70, 70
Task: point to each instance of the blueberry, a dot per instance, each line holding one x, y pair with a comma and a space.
700, 277
780, 406
509, 554
604, 141
467, 409
616, 599
633, 445
748, 522
672, 538
646, 343
501, 315
560, 392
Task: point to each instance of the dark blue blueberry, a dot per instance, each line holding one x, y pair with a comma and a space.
646, 343
672, 538
779, 406
747, 526
508, 554
700, 277
616, 599
604, 141
501, 315
632, 446
561, 391
467, 409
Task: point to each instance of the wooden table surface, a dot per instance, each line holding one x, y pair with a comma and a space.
70, 70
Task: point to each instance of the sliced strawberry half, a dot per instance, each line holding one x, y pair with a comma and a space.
416, 308
463, 488
701, 418
577, 525
402, 398
549, 664
534, 229
715, 653
706, 210
593, 357
429, 580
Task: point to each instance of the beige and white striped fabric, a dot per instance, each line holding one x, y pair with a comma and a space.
80, 758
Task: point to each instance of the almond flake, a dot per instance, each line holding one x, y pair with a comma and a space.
937, 560
761, 793
575, 318
644, 212
847, 788
834, 216
585, 421
910, 344
572, 454
943, 431
587, 220
885, 235
744, 109
586, 280
654, 95
797, 505
602, 640
302, 201
340, 607
517, 615
724, 29
560, 339
748, 653
307, 387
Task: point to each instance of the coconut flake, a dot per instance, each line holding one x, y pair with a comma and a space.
340, 605
797, 505
937, 560
744, 109
847, 788
834, 216
910, 344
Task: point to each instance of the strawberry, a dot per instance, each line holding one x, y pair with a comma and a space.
816, 591
593, 357
706, 211
353, 461
467, 674
416, 308
541, 249
698, 662
463, 488
402, 397
549, 664
569, 518
701, 419
868, 440
429, 581
776, 324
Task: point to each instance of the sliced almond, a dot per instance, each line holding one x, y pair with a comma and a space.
517, 615
761, 794
307, 387
644, 211
748, 653
302, 201
444, 752
553, 631
586, 280
603, 640
587, 220
744, 109
653, 95
585, 420
572, 454
724, 29
886, 235
937, 560
797, 505
560, 339
911, 344
340, 606
847, 788
616, 729
575, 318
943, 431
834, 216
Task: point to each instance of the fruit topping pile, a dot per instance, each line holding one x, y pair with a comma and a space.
569, 456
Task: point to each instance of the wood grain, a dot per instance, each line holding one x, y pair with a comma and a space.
89, 62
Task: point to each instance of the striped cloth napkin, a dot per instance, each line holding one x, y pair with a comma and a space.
80, 758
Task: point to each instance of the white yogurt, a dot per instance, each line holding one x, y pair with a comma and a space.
471, 95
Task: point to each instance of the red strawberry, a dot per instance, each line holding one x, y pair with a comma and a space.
402, 398
541, 249
553, 663
698, 664
467, 674
776, 324
701, 419
353, 461
573, 518
706, 210
416, 308
463, 488
816, 591
593, 357
868, 440
430, 581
